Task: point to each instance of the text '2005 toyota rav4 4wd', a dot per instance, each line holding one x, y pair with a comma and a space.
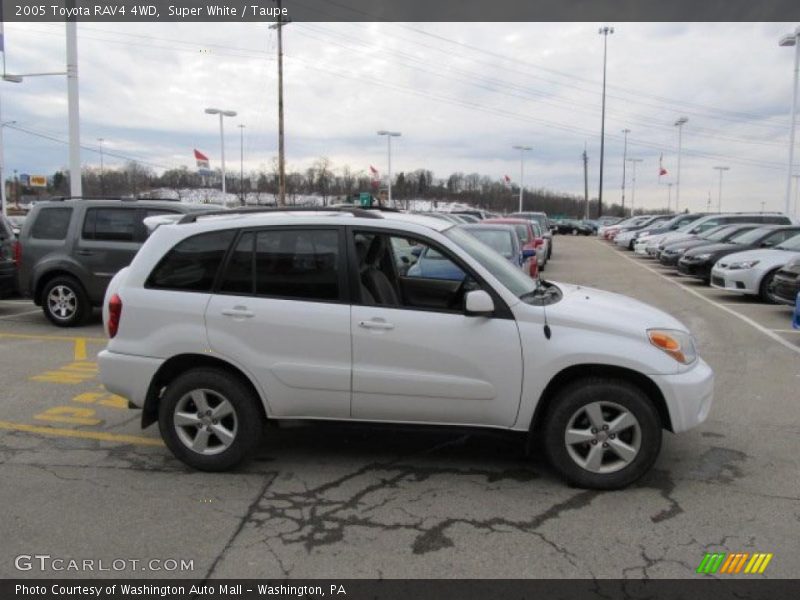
224, 321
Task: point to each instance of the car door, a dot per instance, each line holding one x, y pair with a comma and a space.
107, 243
281, 312
416, 356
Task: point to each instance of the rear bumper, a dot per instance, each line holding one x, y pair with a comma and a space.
688, 395
127, 375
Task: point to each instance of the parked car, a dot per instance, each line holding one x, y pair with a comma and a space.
70, 250
711, 221
573, 227
9, 255
530, 236
504, 240
786, 283
544, 224
220, 323
698, 262
657, 229
752, 272
609, 233
672, 253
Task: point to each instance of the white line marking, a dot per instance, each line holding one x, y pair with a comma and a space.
29, 312
768, 332
786, 330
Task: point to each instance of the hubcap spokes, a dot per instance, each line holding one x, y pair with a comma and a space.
205, 422
62, 302
603, 437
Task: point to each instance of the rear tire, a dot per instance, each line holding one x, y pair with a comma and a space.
209, 419
588, 456
65, 302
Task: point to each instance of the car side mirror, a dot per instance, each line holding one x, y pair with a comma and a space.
478, 303
528, 253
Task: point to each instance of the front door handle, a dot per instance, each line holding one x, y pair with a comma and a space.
375, 324
239, 312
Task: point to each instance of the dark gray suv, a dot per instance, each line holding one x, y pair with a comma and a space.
70, 250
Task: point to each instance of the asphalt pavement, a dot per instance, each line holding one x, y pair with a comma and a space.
81, 480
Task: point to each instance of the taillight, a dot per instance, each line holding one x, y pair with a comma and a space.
17, 253
114, 314
538, 242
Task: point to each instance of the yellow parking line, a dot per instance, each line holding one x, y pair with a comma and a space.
56, 338
80, 349
87, 435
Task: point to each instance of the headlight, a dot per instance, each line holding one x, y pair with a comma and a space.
705, 256
744, 264
678, 344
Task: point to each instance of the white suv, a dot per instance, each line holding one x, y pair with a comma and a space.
222, 322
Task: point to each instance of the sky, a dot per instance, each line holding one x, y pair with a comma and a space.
462, 94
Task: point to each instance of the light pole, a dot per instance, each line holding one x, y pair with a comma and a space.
604, 31
241, 164
679, 124
633, 161
792, 40
222, 113
389, 135
522, 151
625, 133
669, 195
3, 209
102, 170
719, 199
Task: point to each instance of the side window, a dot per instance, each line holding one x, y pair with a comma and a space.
52, 224
400, 272
192, 264
110, 224
710, 224
298, 263
240, 272
778, 237
775, 220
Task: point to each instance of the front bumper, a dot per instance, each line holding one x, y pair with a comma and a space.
786, 288
700, 270
640, 249
669, 260
741, 281
127, 375
688, 395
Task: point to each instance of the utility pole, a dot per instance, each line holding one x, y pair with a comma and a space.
586, 181
669, 196
719, 199
241, 164
102, 170
281, 151
522, 151
708, 202
389, 135
796, 194
625, 133
633, 161
788, 41
75, 184
604, 31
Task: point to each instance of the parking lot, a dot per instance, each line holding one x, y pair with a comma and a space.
82, 480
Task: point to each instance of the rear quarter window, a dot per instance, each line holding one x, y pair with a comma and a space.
192, 265
52, 223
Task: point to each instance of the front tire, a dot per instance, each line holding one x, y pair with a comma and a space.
764, 289
602, 434
65, 302
209, 419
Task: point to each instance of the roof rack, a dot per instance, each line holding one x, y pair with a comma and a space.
120, 198
356, 211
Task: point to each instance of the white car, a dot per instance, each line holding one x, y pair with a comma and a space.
751, 272
222, 322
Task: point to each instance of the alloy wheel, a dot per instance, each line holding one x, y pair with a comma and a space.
62, 302
205, 422
603, 437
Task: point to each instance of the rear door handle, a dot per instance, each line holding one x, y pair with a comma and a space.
382, 325
239, 312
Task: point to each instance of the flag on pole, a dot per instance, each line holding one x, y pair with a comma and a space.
507, 180
373, 170
661, 169
202, 160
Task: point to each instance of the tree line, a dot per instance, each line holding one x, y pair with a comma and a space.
331, 185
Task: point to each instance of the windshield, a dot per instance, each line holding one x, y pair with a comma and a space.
498, 240
749, 237
517, 282
793, 244
717, 234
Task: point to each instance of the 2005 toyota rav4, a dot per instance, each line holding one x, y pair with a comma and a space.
222, 322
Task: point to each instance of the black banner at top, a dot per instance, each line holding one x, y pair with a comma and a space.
399, 10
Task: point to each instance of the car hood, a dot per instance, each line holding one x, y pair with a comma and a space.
717, 248
590, 308
766, 256
671, 238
